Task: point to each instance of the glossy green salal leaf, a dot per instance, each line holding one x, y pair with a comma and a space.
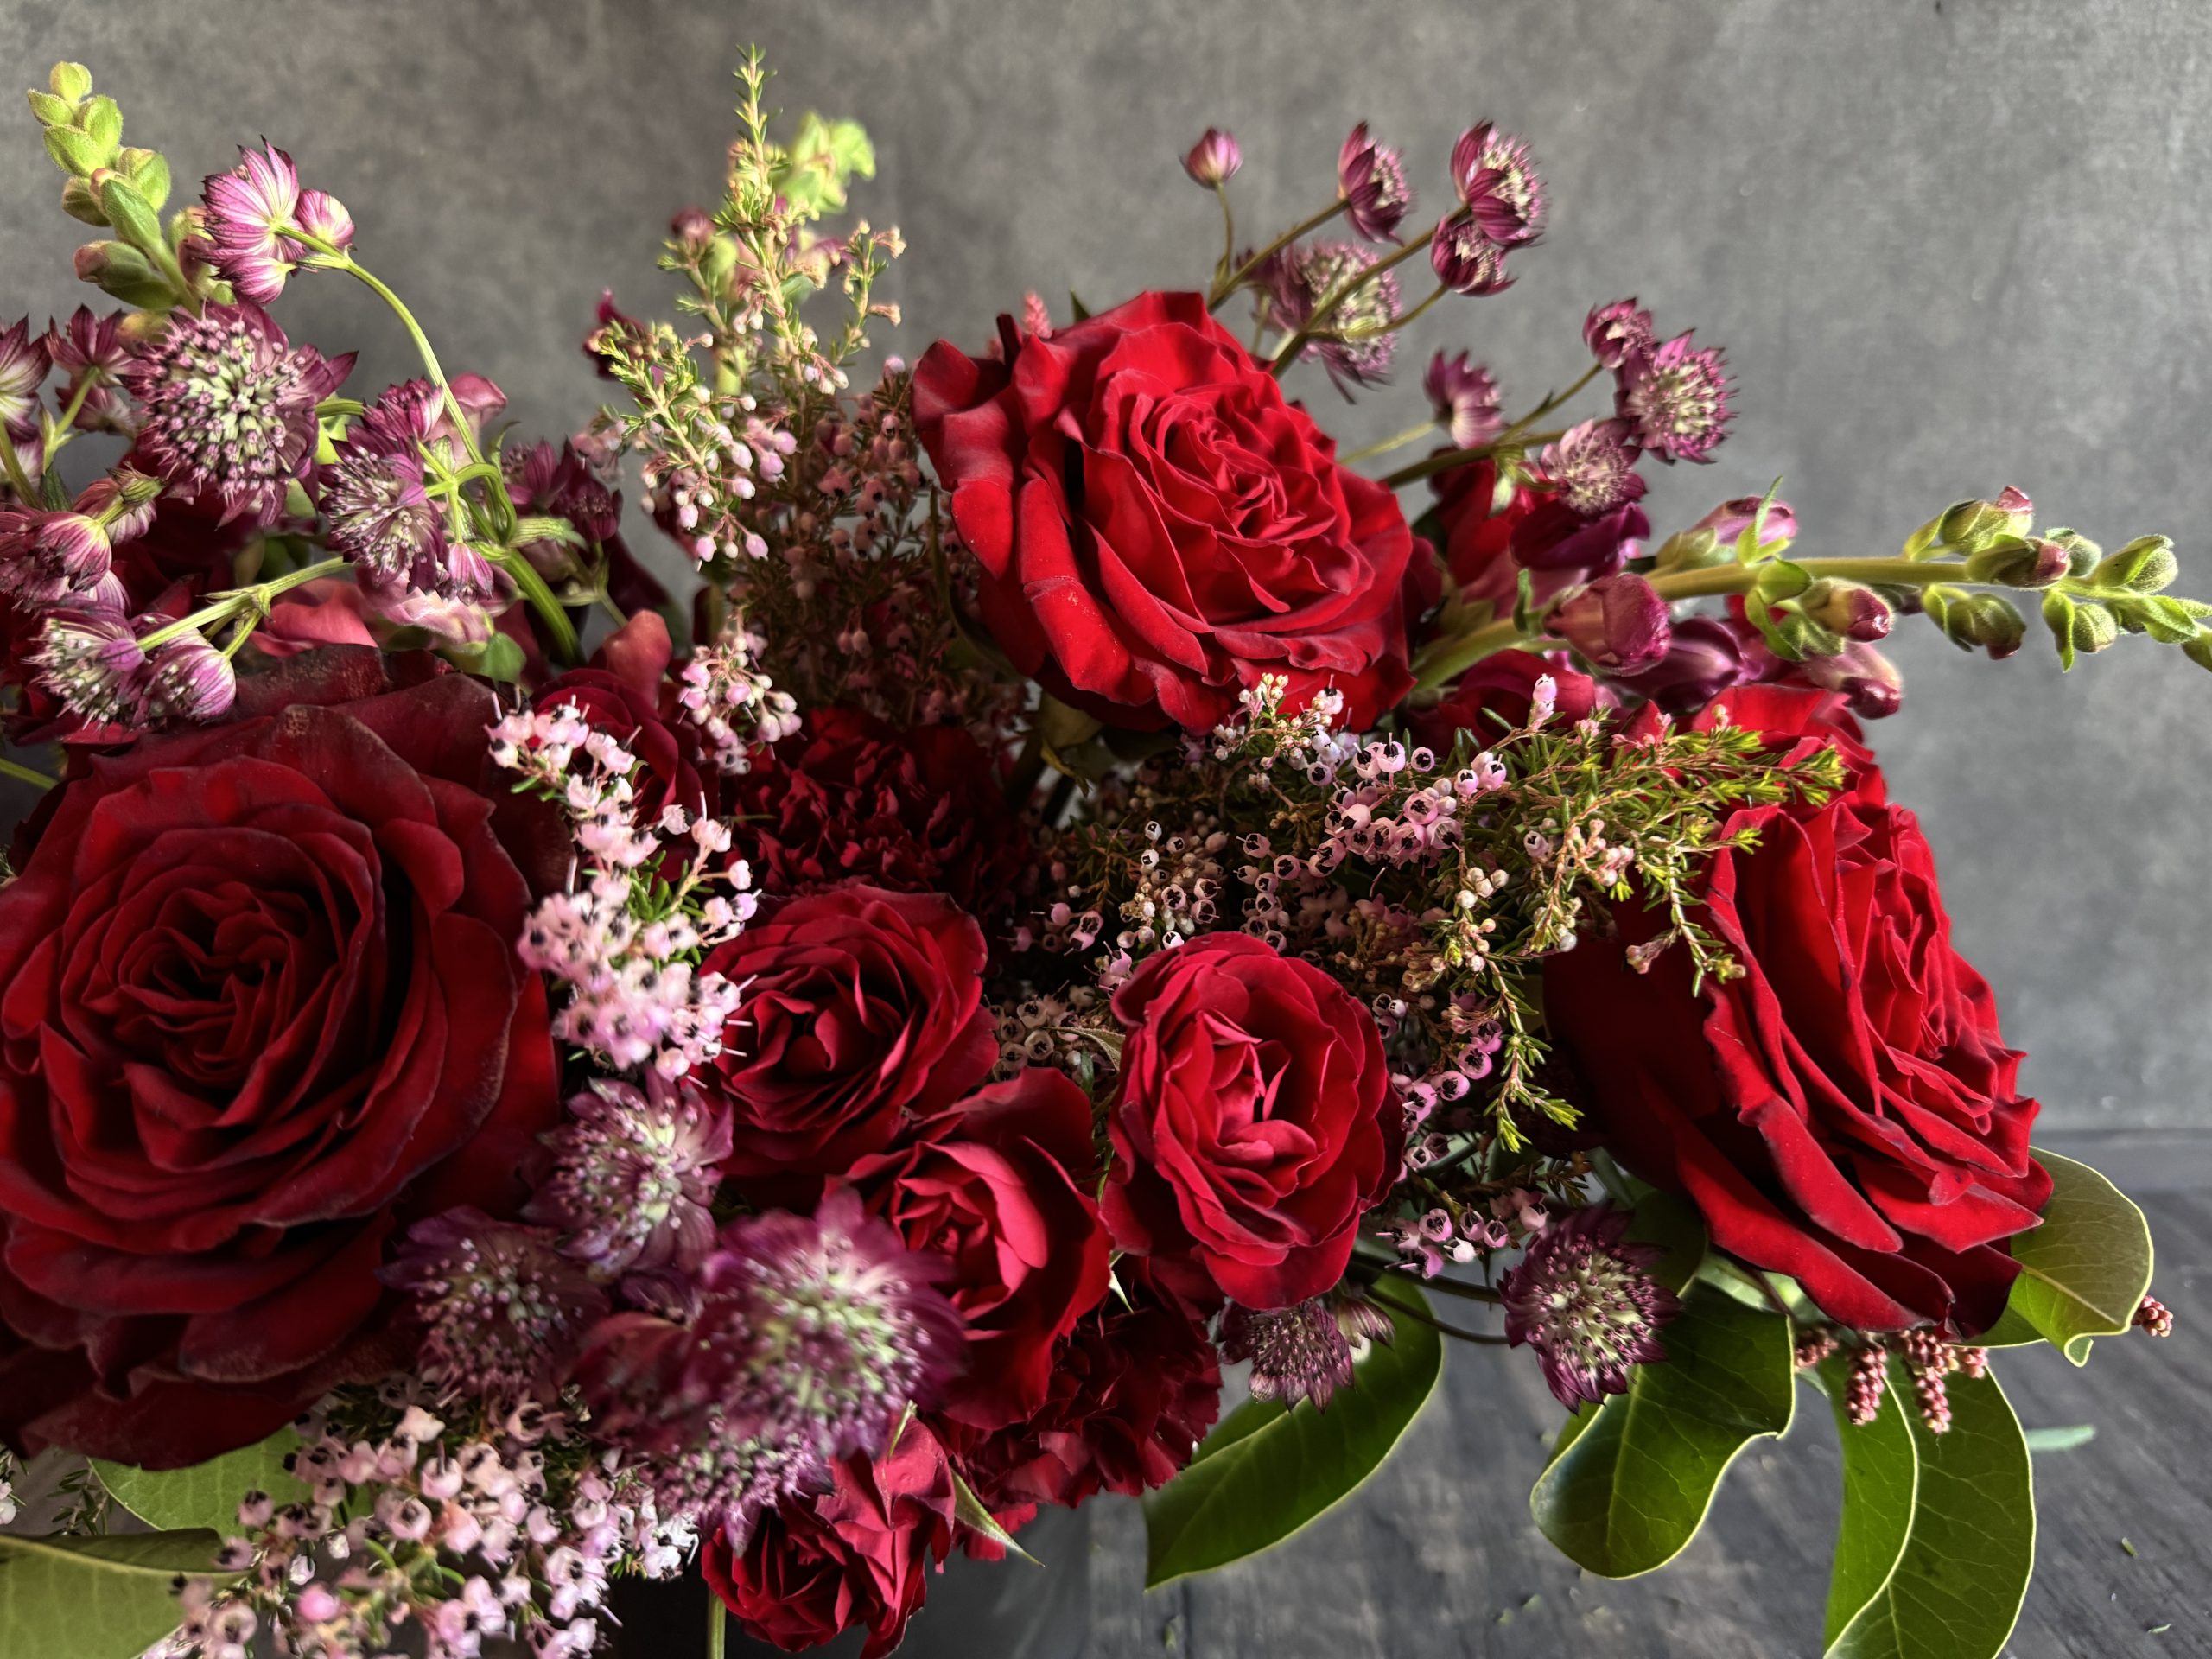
1673, 1226
1265, 1472
2083, 1273
94, 1598
1630, 1481
207, 1494
1959, 1510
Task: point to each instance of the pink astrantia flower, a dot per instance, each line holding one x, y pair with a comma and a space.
1619, 333
1215, 158
1355, 345
1372, 179
1592, 467
377, 500
93, 663
1676, 399
1465, 400
92, 346
228, 408
1464, 259
22, 371
254, 215
1585, 1298
1499, 185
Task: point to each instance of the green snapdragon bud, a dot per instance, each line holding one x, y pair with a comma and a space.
1970, 620
2145, 565
2020, 562
2077, 625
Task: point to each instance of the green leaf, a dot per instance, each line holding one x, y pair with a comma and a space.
1630, 1481
1266, 1471
1955, 1589
207, 1494
2083, 1272
1881, 1476
95, 1597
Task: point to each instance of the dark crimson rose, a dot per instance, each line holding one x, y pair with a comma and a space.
1157, 527
851, 797
619, 692
997, 1184
259, 1004
1846, 1113
856, 1555
1134, 1388
1494, 698
1255, 1120
862, 1008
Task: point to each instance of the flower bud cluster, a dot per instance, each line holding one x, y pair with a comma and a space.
733, 702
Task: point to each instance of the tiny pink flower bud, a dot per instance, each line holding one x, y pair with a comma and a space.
322, 216
1215, 158
693, 228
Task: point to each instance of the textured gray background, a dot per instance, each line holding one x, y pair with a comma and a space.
1949, 245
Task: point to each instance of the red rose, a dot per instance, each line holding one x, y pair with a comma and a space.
1134, 1388
1494, 698
862, 1007
619, 694
1253, 1120
856, 1555
1158, 528
996, 1184
849, 797
1846, 1112
258, 1000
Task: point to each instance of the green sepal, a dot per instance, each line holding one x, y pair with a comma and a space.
76, 151
50, 111
971, 1512
133, 216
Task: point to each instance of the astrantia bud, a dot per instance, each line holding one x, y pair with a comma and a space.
1464, 259
1617, 622
322, 216
1677, 398
93, 663
1215, 158
1372, 179
1465, 400
191, 681
1499, 185
1619, 332
1584, 1298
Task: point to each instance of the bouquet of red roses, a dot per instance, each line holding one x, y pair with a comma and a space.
509, 1079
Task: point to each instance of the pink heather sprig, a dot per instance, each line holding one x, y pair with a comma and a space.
510, 1531
732, 702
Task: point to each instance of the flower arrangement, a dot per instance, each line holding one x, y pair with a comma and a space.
510, 1079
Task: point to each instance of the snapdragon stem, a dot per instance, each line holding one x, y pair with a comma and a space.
1288, 354
241, 601
1516, 433
24, 774
1223, 289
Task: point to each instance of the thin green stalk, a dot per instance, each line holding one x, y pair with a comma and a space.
1513, 433
24, 774
1222, 290
717, 1624
65, 425
1228, 231
1288, 354
542, 599
1398, 1309
238, 602
16, 476
1411, 435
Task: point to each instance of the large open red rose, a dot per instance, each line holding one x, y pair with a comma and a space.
862, 1007
1254, 1121
258, 1001
1157, 527
996, 1184
1846, 1112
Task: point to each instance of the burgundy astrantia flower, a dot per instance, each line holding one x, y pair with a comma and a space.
811, 1336
631, 1189
380, 513
254, 214
1584, 1298
1304, 1352
1592, 467
561, 484
93, 664
851, 797
1499, 185
89, 344
1618, 622
1372, 179
1215, 158
22, 372
1464, 259
228, 407
1464, 398
188, 679
503, 1313
1675, 397
1619, 333
1356, 346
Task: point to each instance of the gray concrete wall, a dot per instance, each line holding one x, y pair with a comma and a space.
1949, 244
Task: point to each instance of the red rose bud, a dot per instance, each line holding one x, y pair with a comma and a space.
1617, 622
1467, 261
192, 681
1215, 158
1846, 608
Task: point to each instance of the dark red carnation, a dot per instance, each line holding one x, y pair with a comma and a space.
259, 1002
851, 797
1134, 1388
1846, 1112
862, 1008
855, 1556
1000, 1185
1157, 527
1495, 696
1254, 1121
620, 692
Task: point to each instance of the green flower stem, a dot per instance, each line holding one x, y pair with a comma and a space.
24, 774
65, 425
239, 601
1288, 353
542, 599
1228, 231
17, 478
1516, 433
1411, 435
1223, 289
717, 1624
1445, 659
